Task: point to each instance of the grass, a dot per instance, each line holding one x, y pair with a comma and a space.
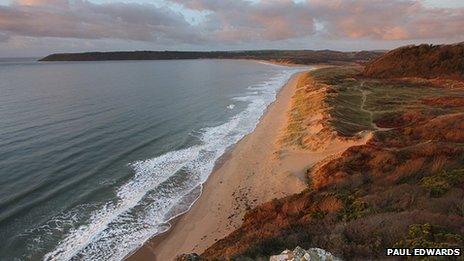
306, 103
403, 188
354, 105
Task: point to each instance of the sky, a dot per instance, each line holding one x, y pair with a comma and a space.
40, 27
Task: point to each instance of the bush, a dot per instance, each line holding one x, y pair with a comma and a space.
353, 208
442, 182
430, 236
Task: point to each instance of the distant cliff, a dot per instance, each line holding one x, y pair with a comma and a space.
425, 61
296, 57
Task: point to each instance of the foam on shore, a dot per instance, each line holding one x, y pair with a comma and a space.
164, 187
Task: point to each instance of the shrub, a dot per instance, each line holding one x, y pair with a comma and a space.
353, 207
430, 236
440, 183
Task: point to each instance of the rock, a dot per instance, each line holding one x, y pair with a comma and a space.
317, 254
284, 256
299, 254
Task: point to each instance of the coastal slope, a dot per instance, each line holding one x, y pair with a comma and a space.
403, 188
425, 61
265, 165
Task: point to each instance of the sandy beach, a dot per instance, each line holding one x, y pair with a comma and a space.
258, 169
202, 130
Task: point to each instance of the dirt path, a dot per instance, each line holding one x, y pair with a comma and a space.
364, 94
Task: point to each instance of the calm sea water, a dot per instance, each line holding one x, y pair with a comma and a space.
96, 157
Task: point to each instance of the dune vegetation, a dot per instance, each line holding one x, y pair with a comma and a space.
404, 187
425, 61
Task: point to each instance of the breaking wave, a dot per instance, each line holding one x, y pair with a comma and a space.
162, 187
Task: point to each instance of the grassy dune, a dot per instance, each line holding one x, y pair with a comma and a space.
425, 60
405, 187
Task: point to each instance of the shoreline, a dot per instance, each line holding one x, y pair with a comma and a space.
259, 168
231, 201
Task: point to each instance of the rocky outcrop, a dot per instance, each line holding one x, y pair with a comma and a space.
299, 254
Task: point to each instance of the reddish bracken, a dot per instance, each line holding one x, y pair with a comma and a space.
368, 198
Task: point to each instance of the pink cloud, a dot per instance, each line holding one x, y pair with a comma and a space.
85, 20
233, 21
373, 19
388, 20
245, 21
40, 2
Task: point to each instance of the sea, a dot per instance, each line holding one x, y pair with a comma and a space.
98, 157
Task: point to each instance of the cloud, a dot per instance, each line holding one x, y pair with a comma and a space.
245, 21
40, 2
232, 22
285, 19
4, 37
86, 20
388, 20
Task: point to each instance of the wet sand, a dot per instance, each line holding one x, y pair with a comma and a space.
256, 170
